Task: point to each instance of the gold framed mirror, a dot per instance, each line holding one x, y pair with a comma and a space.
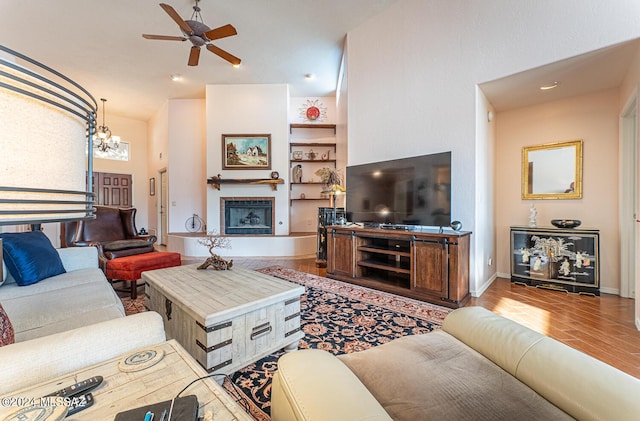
552, 171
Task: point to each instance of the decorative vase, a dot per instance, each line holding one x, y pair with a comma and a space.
296, 174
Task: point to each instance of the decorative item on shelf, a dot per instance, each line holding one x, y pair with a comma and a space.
325, 156
533, 213
303, 196
565, 223
275, 175
313, 110
330, 177
456, 225
297, 155
212, 241
296, 174
313, 113
311, 154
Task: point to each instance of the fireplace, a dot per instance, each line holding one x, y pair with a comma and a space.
246, 216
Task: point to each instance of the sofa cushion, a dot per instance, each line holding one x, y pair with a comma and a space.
62, 309
7, 335
30, 257
438, 375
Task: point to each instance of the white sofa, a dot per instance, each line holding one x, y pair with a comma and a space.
25, 364
479, 366
79, 297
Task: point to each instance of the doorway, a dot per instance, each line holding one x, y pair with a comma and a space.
629, 200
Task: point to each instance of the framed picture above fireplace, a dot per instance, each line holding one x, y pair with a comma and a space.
246, 151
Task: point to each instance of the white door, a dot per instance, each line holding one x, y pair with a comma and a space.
629, 201
164, 207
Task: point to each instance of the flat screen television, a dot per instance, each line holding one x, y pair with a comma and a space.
403, 192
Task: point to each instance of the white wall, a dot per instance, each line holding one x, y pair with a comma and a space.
135, 133
484, 239
187, 160
412, 90
248, 109
157, 158
592, 118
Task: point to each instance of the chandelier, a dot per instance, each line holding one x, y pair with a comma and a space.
103, 137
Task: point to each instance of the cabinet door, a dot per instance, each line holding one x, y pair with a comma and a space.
340, 254
430, 268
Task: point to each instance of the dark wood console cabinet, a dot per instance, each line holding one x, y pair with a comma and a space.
553, 258
426, 265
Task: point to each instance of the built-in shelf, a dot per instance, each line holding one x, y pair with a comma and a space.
217, 181
310, 198
307, 182
312, 144
312, 126
293, 161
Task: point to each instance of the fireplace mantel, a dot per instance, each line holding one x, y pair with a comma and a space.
217, 181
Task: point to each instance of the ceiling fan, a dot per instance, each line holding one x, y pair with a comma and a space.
199, 34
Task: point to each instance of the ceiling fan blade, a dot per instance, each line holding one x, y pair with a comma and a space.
194, 56
225, 55
176, 17
163, 37
221, 32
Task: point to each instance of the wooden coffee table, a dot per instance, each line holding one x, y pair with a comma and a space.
121, 391
226, 319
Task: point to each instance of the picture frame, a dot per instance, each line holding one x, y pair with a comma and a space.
246, 151
152, 186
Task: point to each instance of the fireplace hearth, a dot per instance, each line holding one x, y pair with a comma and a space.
247, 216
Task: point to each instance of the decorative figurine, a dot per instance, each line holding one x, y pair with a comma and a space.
532, 216
297, 174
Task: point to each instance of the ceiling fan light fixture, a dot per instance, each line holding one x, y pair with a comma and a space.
549, 86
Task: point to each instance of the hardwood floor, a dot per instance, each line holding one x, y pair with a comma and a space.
602, 327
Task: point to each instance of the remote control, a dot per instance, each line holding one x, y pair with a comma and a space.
78, 388
78, 403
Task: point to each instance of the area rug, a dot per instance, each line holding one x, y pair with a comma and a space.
335, 316
339, 318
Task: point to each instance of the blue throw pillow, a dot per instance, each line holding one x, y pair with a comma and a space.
30, 256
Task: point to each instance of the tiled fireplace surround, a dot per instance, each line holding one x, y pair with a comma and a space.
247, 216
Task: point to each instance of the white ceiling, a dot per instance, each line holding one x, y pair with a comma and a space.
99, 44
580, 75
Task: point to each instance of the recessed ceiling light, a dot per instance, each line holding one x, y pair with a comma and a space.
550, 86
236, 65
176, 78
309, 76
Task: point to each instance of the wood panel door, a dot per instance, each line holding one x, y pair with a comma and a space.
113, 189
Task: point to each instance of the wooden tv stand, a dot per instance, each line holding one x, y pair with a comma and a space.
426, 265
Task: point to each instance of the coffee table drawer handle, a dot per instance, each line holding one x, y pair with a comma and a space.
260, 330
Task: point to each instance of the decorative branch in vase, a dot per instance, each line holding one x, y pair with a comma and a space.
214, 241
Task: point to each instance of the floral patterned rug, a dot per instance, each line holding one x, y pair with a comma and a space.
337, 317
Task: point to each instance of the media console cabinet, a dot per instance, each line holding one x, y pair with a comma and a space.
426, 264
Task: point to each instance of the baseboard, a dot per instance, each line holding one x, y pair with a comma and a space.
614, 291
485, 286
